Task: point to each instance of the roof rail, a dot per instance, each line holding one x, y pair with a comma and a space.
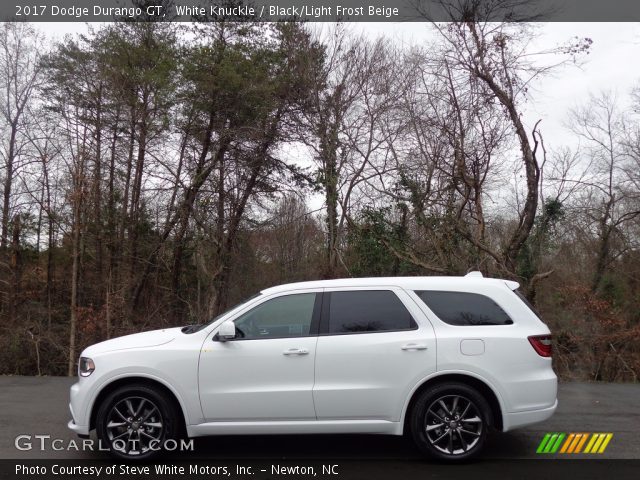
474, 274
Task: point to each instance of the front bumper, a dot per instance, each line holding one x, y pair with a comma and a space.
80, 430
75, 424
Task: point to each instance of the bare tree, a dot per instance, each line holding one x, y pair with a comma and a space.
19, 80
496, 55
612, 197
346, 127
446, 162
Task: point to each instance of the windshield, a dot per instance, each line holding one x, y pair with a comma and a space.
198, 327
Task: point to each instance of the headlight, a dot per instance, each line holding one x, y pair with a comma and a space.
86, 366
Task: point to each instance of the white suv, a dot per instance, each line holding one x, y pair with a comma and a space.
443, 359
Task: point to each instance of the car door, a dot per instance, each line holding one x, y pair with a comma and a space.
374, 346
266, 372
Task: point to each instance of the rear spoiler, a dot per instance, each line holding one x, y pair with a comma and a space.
510, 283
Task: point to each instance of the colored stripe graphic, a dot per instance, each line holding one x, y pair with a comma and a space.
556, 445
591, 442
543, 443
550, 443
598, 442
567, 443
573, 443
581, 443
605, 443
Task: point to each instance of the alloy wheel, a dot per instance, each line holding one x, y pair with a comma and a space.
453, 424
135, 426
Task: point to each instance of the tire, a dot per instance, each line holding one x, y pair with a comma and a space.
134, 422
449, 422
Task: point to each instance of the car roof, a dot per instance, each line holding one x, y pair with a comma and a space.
470, 281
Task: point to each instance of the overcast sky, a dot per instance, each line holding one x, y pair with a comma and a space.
611, 65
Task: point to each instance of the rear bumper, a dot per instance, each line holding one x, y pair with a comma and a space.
515, 420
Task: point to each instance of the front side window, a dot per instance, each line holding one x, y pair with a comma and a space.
367, 311
464, 308
286, 316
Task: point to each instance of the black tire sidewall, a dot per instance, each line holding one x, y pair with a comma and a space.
167, 411
419, 410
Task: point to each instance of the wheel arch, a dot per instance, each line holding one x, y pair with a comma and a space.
137, 380
490, 395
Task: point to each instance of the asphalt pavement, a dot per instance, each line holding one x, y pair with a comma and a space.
38, 406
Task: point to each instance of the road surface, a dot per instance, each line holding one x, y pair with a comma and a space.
38, 406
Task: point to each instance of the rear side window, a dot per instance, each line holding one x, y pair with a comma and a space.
464, 308
367, 311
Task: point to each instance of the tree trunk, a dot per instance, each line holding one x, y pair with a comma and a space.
8, 183
532, 171
329, 147
75, 255
97, 191
137, 190
125, 221
603, 246
331, 197
224, 269
16, 266
187, 203
50, 238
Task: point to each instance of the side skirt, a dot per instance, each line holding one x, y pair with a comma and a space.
295, 427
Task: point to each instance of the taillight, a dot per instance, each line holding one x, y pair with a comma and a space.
541, 344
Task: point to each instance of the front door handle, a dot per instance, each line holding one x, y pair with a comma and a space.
296, 351
414, 346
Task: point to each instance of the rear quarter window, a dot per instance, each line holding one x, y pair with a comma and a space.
464, 308
528, 304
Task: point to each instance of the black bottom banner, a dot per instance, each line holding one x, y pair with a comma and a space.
339, 469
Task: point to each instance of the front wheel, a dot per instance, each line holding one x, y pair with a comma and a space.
135, 422
449, 422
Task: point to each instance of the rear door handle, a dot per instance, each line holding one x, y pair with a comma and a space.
296, 351
414, 346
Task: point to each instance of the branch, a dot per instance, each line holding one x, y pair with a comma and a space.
410, 257
539, 277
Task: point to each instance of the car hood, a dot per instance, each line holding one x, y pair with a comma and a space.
137, 340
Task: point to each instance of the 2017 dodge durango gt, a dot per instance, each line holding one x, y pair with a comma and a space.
442, 359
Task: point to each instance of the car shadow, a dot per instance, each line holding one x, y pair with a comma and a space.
304, 446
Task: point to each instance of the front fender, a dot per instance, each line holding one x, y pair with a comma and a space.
175, 367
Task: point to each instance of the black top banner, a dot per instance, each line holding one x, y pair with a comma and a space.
320, 10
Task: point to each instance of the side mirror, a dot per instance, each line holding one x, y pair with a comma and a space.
227, 331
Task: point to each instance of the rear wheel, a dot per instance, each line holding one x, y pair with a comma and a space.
135, 422
450, 422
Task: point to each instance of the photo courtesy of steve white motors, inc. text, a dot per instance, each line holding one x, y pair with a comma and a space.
169, 469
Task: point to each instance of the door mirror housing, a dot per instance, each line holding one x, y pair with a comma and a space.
227, 331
